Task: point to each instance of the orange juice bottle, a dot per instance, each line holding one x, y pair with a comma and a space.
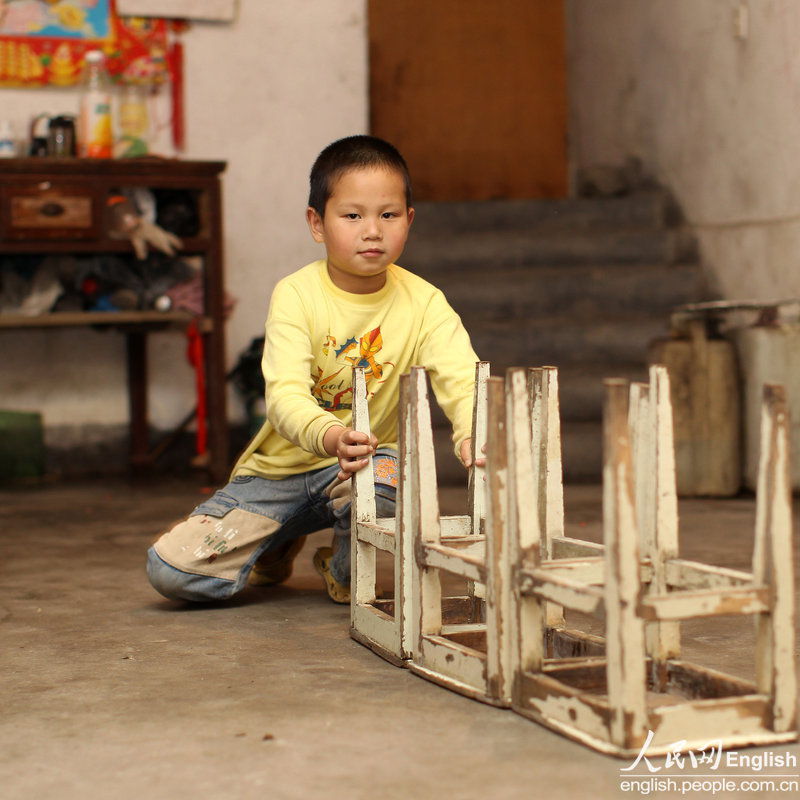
95, 137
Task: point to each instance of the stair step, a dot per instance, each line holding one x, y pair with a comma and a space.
492, 250
582, 284
584, 290
582, 450
560, 340
582, 454
646, 209
580, 388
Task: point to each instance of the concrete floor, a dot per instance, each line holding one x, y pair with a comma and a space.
110, 691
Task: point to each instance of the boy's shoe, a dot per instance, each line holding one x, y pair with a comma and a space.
275, 567
337, 592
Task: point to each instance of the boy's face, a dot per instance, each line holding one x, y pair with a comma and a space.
364, 229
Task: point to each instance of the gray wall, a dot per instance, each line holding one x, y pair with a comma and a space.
707, 94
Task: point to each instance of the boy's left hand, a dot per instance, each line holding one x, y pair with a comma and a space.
351, 448
466, 455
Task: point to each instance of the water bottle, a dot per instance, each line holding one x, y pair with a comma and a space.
8, 146
95, 133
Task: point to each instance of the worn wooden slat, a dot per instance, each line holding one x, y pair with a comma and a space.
726, 719
463, 627
624, 630
467, 545
425, 520
404, 533
594, 666
650, 426
585, 570
377, 628
645, 481
526, 614
363, 482
362, 510
553, 482
664, 638
452, 560
455, 526
549, 700
567, 547
497, 566
697, 682
683, 574
772, 564
736, 722
377, 536
547, 466
454, 660
570, 594
565, 643
589, 569
641, 457
475, 488
706, 603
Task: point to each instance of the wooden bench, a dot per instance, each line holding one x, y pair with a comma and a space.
385, 624
474, 658
640, 693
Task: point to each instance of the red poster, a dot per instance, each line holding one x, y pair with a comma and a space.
43, 42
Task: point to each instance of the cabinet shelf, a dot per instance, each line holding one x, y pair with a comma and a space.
51, 206
191, 246
71, 319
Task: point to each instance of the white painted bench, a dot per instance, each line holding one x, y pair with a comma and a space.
641, 693
475, 659
471, 657
384, 624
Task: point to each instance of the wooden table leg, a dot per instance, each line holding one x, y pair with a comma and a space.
137, 399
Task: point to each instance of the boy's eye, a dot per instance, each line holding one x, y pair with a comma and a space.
351, 216
390, 214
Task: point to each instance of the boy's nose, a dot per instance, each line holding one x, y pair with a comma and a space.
372, 230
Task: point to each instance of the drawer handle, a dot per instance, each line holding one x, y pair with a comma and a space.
52, 210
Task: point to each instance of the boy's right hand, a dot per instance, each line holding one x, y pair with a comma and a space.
352, 448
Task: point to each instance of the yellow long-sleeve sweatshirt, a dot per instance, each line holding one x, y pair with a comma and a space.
316, 333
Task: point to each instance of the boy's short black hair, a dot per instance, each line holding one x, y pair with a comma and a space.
352, 152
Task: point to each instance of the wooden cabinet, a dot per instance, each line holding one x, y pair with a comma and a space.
59, 206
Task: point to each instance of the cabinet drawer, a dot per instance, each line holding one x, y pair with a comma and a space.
52, 211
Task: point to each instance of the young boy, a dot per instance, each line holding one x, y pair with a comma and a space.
354, 307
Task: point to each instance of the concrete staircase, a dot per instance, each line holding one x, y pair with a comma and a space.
581, 284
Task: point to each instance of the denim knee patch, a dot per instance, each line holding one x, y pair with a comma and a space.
177, 585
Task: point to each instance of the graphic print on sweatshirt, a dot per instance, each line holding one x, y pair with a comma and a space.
333, 387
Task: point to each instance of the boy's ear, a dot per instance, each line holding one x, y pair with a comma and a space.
315, 225
410, 215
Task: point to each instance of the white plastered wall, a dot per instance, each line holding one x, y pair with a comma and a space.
707, 94
266, 94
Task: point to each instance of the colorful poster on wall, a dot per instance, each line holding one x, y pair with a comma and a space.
43, 42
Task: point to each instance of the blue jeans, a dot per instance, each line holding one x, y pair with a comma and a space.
209, 555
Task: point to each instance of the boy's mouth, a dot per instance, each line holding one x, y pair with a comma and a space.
374, 251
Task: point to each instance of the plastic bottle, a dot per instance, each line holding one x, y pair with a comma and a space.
133, 125
95, 137
8, 147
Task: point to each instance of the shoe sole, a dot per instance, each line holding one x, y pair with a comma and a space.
338, 593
